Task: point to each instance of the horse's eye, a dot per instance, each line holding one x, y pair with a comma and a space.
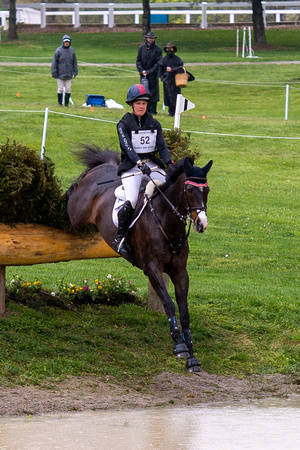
189, 187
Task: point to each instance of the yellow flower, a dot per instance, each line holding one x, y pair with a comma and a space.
99, 287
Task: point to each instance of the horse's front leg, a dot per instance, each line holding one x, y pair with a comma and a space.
181, 283
155, 277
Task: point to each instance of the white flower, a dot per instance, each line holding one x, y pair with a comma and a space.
108, 276
53, 294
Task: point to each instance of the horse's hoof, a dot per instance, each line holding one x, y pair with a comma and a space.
181, 350
192, 365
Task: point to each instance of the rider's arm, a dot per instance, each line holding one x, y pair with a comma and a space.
126, 144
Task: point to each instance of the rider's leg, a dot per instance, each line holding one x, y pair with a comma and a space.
131, 184
157, 174
125, 215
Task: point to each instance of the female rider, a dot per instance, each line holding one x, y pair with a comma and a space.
140, 137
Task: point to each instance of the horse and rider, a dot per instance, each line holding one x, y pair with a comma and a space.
157, 240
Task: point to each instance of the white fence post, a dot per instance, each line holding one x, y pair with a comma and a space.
77, 18
204, 15
263, 4
111, 21
43, 15
287, 88
44, 133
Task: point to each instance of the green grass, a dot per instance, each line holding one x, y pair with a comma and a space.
244, 271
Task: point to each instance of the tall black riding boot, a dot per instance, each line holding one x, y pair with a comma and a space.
67, 98
125, 215
59, 98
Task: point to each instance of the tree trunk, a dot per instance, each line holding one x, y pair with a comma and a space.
258, 23
12, 25
146, 17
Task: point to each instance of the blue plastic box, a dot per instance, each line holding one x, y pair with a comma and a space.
95, 100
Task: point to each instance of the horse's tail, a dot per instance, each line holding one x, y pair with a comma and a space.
92, 156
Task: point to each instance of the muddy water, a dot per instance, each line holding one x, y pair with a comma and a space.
261, 425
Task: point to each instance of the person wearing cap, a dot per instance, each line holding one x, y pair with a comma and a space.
140, 137
147, 63
64, 68
169, 66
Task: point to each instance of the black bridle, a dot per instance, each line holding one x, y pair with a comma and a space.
199, 183
202, 182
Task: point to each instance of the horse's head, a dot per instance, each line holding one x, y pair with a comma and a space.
196, 191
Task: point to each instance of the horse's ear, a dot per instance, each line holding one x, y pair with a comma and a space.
187, 165
206, 168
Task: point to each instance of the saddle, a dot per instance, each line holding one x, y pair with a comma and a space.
147, 193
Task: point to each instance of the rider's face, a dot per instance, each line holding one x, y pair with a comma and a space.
139, 107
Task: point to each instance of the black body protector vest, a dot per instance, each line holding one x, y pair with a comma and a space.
143, 139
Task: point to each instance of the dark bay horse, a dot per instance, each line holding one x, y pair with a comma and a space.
158, 239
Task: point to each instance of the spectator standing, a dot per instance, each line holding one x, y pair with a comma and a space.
147, 63
170, 65
64, 68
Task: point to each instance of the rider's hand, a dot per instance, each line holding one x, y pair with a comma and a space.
171, 168
144, 168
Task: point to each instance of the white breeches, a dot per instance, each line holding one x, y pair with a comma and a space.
132, 183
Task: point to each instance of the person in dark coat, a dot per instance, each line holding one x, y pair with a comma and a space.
63, 68
169, 66
147, 63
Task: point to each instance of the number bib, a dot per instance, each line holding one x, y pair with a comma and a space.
144, 141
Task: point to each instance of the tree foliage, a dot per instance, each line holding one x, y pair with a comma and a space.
29, 190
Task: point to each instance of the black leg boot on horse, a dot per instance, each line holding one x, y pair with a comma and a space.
125, 215
180, 349
192, 363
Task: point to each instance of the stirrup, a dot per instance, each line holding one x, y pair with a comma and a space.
120, 246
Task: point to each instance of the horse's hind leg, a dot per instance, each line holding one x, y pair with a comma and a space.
155, 277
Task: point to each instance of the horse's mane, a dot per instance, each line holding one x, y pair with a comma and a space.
173, 174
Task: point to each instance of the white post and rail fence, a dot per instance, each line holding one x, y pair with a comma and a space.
202, 14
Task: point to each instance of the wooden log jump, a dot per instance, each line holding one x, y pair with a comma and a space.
28, 244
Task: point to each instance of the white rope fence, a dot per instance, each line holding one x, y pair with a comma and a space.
77, 116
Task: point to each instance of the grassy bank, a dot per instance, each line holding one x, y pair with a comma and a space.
244, 271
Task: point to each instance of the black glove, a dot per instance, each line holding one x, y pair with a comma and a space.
145, 169
171, 168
